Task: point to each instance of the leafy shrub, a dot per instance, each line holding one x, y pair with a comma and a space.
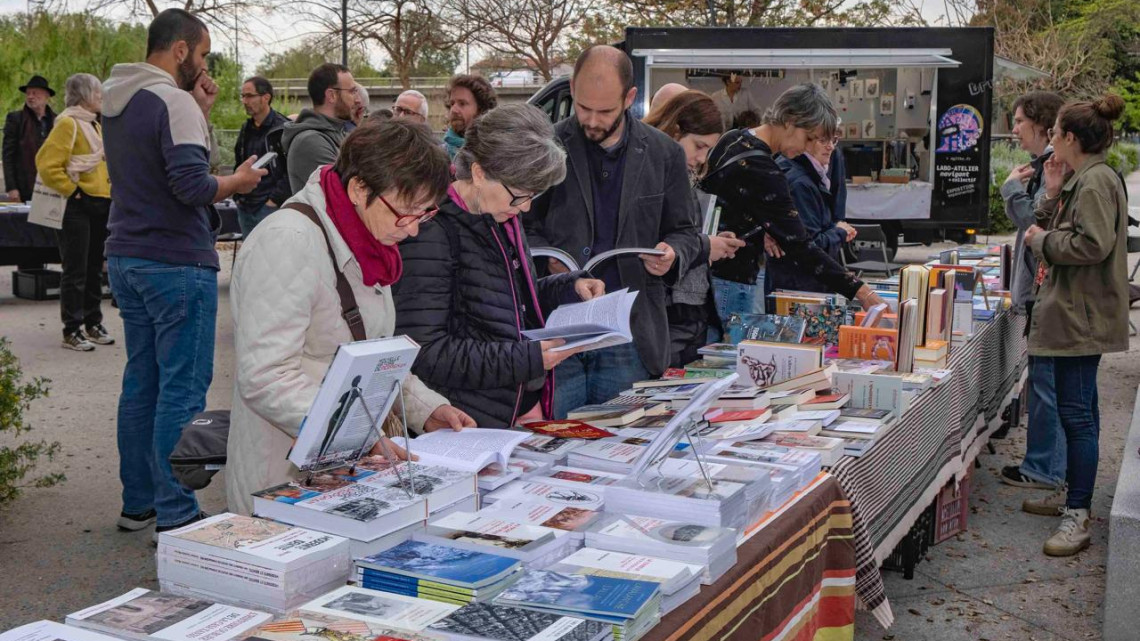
18, 460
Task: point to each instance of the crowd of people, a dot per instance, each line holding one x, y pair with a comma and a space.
368, 224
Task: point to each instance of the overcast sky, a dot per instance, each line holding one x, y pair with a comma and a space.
281, 31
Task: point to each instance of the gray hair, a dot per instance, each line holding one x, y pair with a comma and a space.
515, 145
362, 93
418, 96
804, 106
80, 89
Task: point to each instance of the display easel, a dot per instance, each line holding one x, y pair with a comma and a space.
355, 395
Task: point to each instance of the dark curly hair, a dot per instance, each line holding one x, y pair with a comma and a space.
485, 98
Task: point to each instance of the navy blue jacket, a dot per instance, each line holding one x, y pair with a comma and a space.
816, 208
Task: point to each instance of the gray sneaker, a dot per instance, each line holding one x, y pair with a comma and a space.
77, 341
98, 334
1072, 535
1050, 505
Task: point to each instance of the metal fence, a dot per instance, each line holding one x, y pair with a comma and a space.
437, 82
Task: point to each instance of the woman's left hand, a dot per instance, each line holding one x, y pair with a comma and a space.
397, 451
1031, 233
589, 288
448, 417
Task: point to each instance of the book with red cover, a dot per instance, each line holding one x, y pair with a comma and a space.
567, 429
737, 416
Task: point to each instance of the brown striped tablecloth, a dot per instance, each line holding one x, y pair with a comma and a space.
794, 579
936, 438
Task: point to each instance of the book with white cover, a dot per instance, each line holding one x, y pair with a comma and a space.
737, 431
579, 476
574, 520
484, 532
805, 463
872, 391
357, 510
536, 491
826, 417
471, 449
723, 504
263, 543
764, 364
381, 608
147, 615
493, 622
310, 626
670, 575
713, 548
52, 631
830, 449
547, 449
593, 324
371, 371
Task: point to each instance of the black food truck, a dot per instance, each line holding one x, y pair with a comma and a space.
915, 105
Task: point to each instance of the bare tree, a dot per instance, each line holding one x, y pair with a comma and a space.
535, 30
226, 16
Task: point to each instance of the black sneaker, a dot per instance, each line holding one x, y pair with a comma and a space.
99, 335
135, 522
77, 341
159, 529
1011, 475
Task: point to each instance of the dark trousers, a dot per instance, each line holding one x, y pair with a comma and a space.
1078, 408
81, 252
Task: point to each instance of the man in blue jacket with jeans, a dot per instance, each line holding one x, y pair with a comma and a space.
161, 256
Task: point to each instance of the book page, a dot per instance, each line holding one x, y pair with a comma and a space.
470, 449
610, 313
621, 251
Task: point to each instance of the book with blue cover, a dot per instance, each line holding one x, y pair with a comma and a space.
594, 596
442, 564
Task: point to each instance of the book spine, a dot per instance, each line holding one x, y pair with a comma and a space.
245, 572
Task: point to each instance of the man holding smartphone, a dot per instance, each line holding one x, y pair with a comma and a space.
161, 256
253, 140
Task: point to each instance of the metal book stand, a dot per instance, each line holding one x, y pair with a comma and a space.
689, 430
374, 418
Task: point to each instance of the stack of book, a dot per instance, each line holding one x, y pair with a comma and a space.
579, 478
145, 615
677, 581
764, 364
492, 622
558, 494
573, 520
307, 626
830, 449
724, 504
757, 483
830, 400
252, 562
611, 415
631, 607
495, 476
713, 548
437, 572
486, 532
719, 354
379, 608
932, 355
803, 464
366, 505
551, 450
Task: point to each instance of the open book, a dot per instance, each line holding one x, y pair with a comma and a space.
568, 260
594, 324
469, 450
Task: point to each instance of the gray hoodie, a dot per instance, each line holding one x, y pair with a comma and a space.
311, 142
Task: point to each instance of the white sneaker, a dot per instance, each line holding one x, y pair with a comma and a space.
98, 334
1050, 505
77, 341
1072, 535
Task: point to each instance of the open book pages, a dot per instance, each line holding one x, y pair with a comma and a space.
470, 450
566, 259
358, 390
593, 324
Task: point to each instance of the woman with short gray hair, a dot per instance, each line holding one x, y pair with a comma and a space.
71, 162
468, 290
758, 204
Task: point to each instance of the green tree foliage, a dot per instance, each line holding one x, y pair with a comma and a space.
1128, 88
18, 458
302, 59
57, 46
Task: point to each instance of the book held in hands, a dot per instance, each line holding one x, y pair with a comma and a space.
593, 324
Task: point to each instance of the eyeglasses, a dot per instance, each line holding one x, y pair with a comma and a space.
404, 220
249, 96
517, 200
403, 111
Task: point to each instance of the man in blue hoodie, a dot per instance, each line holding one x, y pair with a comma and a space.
161, 256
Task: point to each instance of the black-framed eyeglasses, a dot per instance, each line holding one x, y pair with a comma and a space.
400, 110
247, 96
517, 200
404, 220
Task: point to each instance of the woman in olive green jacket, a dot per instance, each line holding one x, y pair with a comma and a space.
1082, 298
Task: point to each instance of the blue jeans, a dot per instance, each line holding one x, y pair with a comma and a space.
1078, 407
596, 377
1045, 444
169, 313
738, 298
249, 218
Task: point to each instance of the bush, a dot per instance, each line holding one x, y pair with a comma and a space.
1004, 156
1124, 157
17, 461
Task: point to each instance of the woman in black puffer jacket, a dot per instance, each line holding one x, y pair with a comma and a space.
467, 292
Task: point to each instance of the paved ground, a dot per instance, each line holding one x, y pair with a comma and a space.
60, 551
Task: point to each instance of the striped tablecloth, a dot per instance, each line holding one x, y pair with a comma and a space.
936, 438
794, 579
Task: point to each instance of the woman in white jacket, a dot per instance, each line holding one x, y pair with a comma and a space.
287, 312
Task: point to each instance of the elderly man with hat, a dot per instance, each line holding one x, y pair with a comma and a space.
24, 132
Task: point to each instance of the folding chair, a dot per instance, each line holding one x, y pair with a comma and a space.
870, 246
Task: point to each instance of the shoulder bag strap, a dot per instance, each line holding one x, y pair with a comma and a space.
348, 308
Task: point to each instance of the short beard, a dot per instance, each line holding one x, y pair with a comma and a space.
188, 74
458, 125
609, 132
341, 109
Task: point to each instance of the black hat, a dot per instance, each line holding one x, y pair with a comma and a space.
38, 82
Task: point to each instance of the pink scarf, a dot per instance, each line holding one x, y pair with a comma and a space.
379, 263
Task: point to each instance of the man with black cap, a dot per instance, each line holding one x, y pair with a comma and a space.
24, 132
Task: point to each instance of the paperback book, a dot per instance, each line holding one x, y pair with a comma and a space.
593, 324
147, 615
493, 622
307, 626
380, 608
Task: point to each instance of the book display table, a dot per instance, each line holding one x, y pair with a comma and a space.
936, 439
794, 576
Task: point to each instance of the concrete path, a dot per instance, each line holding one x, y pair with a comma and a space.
60, 551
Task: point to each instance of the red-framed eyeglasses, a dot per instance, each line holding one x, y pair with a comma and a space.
403, 220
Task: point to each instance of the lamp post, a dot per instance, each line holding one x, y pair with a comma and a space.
344, 32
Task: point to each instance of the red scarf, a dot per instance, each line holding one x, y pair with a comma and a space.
379, 263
